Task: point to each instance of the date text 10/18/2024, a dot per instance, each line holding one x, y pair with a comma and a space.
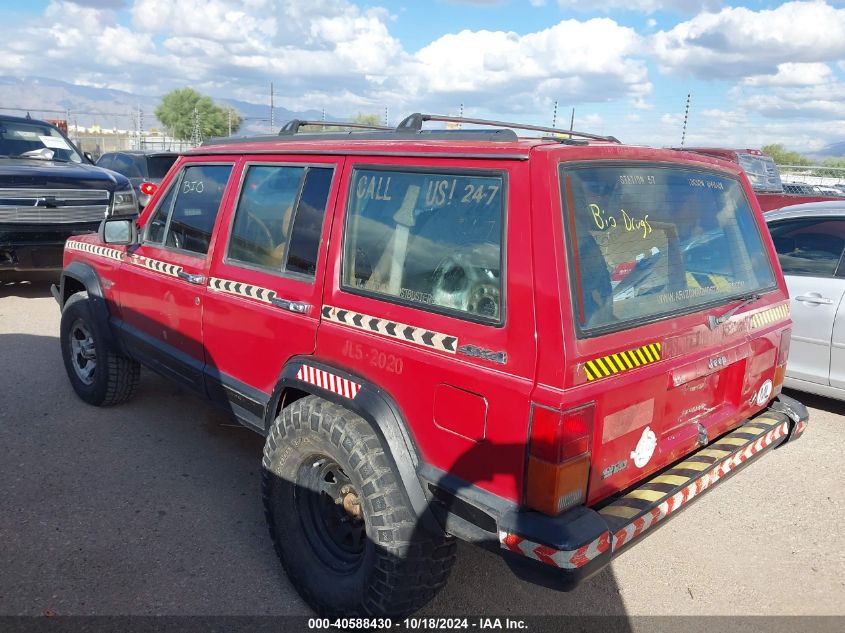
420, 623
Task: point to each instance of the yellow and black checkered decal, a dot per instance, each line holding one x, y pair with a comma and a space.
697, 472
620, 362
772, 315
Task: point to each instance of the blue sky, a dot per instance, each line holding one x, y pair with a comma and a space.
758, 72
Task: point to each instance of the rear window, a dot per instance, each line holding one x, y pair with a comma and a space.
158, 166
649, 242
761, 171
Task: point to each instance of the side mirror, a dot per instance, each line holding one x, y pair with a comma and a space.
89, 156
119, 231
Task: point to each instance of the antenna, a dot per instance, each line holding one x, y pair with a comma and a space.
272, 122
572, 120
385, 117
196, 132
554, 116
686, 118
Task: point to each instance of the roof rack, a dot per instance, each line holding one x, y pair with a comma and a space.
410, 129
414, 122
292, 126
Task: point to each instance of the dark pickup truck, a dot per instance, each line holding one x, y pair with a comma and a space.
49, 191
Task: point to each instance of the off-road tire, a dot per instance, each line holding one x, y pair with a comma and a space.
402, 566
116, 377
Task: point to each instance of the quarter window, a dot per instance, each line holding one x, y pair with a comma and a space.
186, 223
809, 246
430, 239
279, 218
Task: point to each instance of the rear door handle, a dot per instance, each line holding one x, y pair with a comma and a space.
192, 279
300, 307
815, 297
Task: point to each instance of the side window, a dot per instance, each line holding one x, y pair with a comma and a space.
186, 222
279, 218
106, 161
809, 246
430, 239
158, 223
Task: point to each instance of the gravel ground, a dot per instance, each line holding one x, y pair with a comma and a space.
153, 508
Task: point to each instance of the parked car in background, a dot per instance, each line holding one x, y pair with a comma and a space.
810, 240
144, 169
49, 191
765, 178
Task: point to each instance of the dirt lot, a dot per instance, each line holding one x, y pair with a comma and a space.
153, 508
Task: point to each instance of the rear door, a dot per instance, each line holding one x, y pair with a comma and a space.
265, 282
810, 252
654, 250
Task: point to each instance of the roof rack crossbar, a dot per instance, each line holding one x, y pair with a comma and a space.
292, 126
414, 122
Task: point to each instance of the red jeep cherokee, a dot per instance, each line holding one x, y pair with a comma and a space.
545, 346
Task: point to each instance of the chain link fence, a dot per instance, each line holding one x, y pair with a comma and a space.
813, 180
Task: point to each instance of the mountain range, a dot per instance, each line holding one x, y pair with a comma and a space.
88, 105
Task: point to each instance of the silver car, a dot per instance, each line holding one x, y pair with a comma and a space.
810, 239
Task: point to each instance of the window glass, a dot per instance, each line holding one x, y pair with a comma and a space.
646, 242
126, 165
308, 222
106, 161
431, 239
158, 223
158, 166
196, 206
263, 218
35, 140
809, 246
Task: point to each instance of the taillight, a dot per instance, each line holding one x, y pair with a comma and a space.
148, 188
558, 458
783, 355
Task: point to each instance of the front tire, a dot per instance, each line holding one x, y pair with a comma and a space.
98, 373
340, 520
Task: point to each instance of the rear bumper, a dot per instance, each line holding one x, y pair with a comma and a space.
561, 551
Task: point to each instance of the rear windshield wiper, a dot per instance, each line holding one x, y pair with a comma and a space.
713, 322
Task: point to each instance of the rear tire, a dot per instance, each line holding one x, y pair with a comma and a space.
98, 373
322, 462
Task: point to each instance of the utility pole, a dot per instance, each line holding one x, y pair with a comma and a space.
196, 132
686, 118
272, 122
554, 116
140, 127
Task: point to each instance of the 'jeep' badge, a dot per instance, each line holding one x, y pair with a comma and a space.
645, 448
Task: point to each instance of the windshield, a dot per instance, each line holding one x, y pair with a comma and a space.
35, 140
647, 242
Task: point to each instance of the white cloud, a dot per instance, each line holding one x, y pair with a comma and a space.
739, 42
792, 74
644, 6
571, 61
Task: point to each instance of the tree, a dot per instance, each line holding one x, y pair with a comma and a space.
782, 156
367, 119
176, 112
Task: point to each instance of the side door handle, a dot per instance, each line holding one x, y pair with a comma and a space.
815, 297
300, 307
192, 279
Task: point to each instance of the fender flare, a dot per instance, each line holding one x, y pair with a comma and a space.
86, 275
379, 409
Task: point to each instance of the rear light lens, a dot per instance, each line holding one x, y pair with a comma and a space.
148, 188
783, 355
558, 458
